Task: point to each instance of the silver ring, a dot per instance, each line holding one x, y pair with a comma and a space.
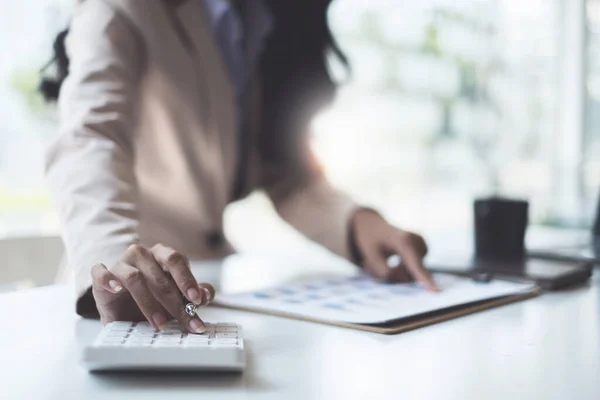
190, 309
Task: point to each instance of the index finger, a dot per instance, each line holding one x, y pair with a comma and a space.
415, 267
178, 266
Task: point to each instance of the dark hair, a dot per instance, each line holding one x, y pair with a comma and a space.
296, 82
50, 87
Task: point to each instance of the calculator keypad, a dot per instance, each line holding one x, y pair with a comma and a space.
141, 334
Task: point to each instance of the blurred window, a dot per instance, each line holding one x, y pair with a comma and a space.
447, 100
591, 154
27, 30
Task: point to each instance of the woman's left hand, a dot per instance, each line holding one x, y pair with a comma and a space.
376, 240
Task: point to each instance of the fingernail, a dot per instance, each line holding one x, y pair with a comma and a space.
114, 285
194, 296
197, 326
159, 320
208, 295
434, 287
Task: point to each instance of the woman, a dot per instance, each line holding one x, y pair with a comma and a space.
170, 111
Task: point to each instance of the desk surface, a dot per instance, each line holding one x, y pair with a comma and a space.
543, 348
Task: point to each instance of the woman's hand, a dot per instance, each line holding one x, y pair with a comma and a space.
376, 241
148, 284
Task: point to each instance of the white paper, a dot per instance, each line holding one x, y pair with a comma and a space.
360, 299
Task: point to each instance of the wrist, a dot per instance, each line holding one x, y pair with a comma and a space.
359, 218
365, 214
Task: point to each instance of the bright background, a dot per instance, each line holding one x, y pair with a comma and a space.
447, 100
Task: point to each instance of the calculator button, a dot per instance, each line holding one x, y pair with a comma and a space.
170, 334
167, 339
166, 344
196, 339
224, 344
175, 342
120, 324
134, 340
171, 328
205, 334
119, 329
116, 334
144, 326
141, 334
144, 332
143, 323
171, 331
144, 329
139, 344
224, 341
220, 335
197, 344
226, 329
194, 342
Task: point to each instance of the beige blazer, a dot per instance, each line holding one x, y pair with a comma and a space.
147, 150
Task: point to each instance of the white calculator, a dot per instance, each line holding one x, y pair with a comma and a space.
137, 346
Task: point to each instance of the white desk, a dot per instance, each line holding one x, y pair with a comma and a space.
544, 348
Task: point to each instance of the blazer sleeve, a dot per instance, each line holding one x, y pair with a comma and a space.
305, 199
89, 167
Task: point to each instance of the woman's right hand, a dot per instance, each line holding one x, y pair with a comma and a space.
147, 284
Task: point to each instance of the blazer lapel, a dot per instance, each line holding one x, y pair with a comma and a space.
197, 34
194, 30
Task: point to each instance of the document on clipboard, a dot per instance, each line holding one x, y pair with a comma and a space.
361, 302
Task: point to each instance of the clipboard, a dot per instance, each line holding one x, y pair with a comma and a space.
404, 324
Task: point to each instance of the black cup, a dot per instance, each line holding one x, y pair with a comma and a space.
500, 226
